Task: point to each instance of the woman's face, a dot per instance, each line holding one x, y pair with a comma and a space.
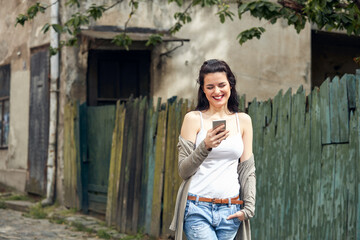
217, 89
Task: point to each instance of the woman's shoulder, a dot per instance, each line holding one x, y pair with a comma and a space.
190, 126
244, 117
192, 116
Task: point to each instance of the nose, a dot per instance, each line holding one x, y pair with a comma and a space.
217, 90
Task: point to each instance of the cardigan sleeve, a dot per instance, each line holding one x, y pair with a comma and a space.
190, 159
247, 180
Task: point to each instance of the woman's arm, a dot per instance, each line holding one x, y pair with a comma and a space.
190, 159
247, 136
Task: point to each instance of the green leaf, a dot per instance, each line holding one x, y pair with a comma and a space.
95, 11
71, 3
71, 42
177, 26
196, 2
136, 4
243, 8
122, 40
250, 34
21, 19
57, 27
154, 39
53, 51
222, 18
45, 28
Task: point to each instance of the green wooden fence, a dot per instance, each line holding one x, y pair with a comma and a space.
306, 151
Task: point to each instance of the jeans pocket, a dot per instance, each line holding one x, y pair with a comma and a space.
187, 208
235, 208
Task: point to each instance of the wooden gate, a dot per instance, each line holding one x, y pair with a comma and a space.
99, 130
38, 122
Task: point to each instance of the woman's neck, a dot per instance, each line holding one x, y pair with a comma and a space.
218, 112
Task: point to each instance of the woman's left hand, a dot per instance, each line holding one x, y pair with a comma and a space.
239, 214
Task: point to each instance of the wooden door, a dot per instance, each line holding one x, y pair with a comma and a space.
38, 121
100, 126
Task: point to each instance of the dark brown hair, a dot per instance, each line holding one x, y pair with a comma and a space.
213, 66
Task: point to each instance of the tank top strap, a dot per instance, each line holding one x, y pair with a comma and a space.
237, 122
201, 120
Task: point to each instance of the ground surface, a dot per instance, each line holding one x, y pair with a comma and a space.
15, 226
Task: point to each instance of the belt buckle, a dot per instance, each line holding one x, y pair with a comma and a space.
213, 200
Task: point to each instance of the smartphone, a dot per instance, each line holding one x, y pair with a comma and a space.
216, 123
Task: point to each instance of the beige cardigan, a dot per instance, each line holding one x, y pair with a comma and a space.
190, 160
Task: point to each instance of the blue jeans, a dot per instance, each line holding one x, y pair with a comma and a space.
203, 220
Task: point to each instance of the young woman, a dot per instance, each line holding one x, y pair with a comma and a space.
216, 164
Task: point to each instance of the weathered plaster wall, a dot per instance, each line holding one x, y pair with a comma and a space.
19, 117
279, 60
15, 48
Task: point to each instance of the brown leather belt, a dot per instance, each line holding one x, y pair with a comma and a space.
234, 200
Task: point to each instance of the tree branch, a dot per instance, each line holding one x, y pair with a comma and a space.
170, 51
173, 28
297, 7
116, 3
133, 9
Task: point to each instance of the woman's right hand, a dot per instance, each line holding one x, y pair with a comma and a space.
215, 136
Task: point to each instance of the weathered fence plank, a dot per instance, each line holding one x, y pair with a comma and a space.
254, 112
343, 111
283, 130
170, 170
334, 110
327, 191
242, 102
128, 139
138, 161
357, 166
150, 155
297, 125
71, 156
158, 174
325, 112
314, 165
351, 90
130, 173
115, 165
352, 175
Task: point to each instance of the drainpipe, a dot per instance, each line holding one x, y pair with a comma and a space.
54, 76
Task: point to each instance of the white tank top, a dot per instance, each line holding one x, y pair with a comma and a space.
217, 176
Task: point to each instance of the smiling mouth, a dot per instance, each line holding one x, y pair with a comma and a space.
218, 97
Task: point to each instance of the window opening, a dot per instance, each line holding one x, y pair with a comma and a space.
332, 55
4, 105
116, 75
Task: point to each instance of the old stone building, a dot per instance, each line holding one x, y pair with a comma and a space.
99, 72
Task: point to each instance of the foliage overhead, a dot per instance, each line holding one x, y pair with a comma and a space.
325, 14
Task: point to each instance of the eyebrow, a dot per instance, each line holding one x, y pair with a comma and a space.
214, 84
